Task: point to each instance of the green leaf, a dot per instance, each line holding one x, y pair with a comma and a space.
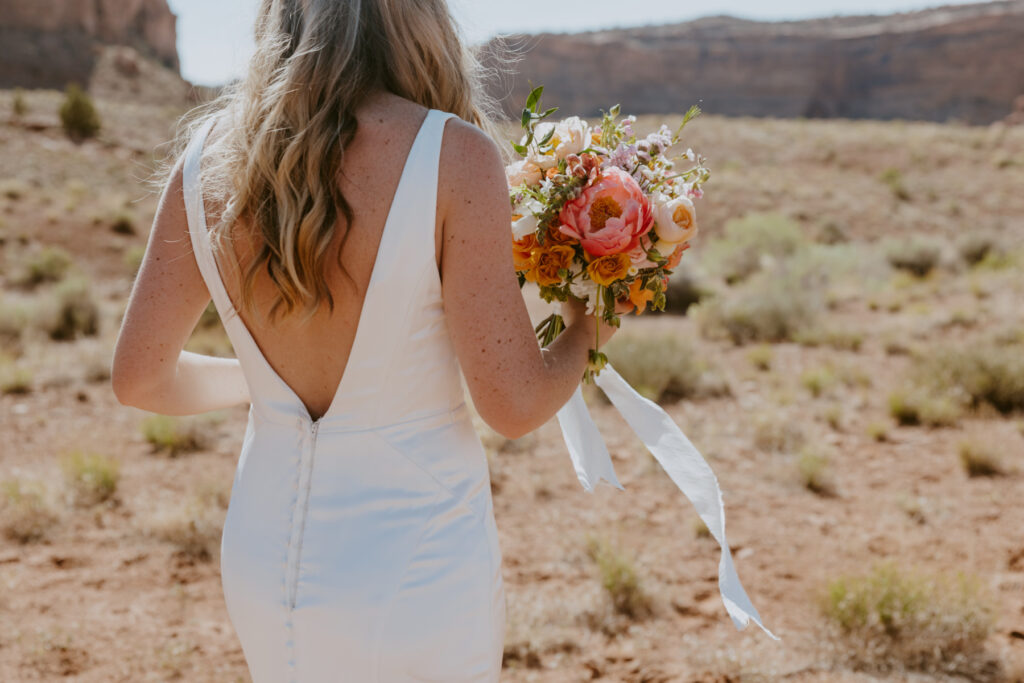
520, 149
534, 98
614, 112
549, 112
527, 118
547, 138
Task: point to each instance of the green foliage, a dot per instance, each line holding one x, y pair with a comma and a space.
70, 311
174, 435
916, 254
25, 515
619, 578
751, 242
773, 306
78, 114
91, 478
48, 264
663, 367
19, 107
891, 619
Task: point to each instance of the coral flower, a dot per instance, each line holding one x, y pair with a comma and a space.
609, 216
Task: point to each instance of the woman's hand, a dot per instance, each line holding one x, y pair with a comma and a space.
574, 312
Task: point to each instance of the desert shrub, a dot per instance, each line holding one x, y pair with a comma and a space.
815, 473
194, 527
818, 380
25, 514
976, 246
891, 619
834, 417
772, 306
14, 378
14, 188
14, 319
761, 356
916, 254
700, 528
986, 372
893, 178
174, 435
78, 114
91, 478
619, 578
753, 241
980, 459
663, 367
832, 233
122, 222
70, 311
841, 339
878, 431
49, 264
917, 405
684, 290
777, 434
19, 107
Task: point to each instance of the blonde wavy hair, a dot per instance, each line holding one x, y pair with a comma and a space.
276, 167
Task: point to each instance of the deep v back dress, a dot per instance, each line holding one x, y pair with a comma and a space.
362, 546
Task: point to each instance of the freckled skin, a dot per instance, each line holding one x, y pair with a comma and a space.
516, 386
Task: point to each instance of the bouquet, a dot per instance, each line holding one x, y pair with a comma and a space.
600, 214
604, 216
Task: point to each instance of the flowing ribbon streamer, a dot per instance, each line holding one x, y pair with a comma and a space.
677, 456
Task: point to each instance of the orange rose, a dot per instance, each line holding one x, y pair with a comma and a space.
607, 269
547, 262
522, 252
639, 295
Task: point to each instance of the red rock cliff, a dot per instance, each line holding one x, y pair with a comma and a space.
48, 43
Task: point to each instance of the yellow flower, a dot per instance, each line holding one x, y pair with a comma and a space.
547, 262
522, 252
607, 269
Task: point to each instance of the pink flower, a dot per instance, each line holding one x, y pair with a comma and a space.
609, 216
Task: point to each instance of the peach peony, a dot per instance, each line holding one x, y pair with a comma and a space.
609, 216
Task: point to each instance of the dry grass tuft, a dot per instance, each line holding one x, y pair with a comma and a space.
815, 473
25, 514
981, 459
175, 435
665, 367
619, 578
71, 311
891, 619
194, 528
91, 478
916, 405
918, 254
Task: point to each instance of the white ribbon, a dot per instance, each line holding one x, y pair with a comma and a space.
674, 452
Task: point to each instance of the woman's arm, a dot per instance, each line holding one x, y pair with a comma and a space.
150, 369
516, 386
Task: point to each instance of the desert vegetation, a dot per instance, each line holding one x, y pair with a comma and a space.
844, 343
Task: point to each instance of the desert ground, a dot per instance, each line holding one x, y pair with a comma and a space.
851, 367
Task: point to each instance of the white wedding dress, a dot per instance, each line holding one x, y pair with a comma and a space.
362, 546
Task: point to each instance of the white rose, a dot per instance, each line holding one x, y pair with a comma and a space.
572, 136
523, 171
675, 220
526, 225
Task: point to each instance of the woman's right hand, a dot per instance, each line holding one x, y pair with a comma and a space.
574, 312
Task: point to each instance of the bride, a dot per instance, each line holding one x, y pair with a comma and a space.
345, 208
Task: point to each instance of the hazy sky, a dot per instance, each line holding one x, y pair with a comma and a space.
214, 38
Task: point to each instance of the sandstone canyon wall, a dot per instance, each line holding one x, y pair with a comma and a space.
956, 62
49, 43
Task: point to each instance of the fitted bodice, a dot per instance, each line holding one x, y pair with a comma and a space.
402, 365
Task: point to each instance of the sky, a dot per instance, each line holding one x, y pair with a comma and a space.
215, 42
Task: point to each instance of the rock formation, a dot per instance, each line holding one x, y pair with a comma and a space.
49, 43
961, 63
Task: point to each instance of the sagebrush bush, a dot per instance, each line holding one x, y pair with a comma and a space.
751, 242
70, 311
25, 514
916, 405
981, 459
14, 378
174, 435
987, 372
194, 527
917, 254
663, 367
91, 478
773, 306
815, 472
78, 114
892, 619
48, 264
619, 578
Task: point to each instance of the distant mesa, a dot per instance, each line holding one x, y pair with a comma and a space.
50, 43
957, 62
